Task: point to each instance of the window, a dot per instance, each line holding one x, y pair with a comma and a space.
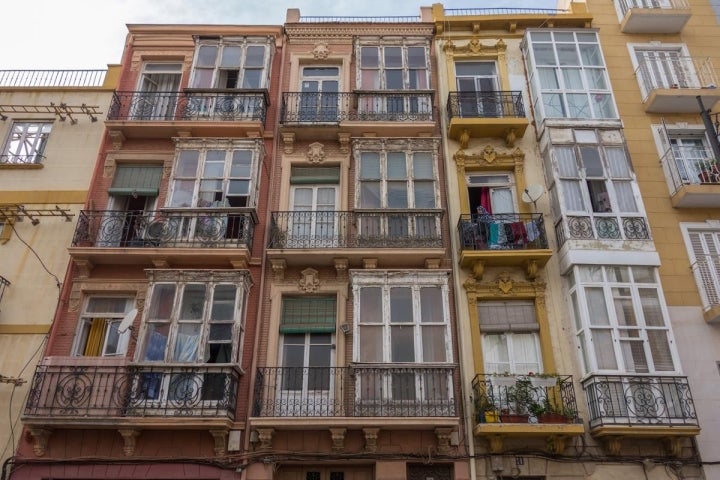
666, 66
568, 77
231, 63
492, 192
478, 92
26, 143
397, 67
157, 93
397, 180
621, 322
98, 334
198, 322
686, 156
215, 177
509, 337
703, 244
595, 177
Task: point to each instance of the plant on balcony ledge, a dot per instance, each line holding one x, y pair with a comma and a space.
520, 398
548, 411
709, 172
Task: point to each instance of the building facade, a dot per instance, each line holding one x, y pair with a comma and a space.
50, 133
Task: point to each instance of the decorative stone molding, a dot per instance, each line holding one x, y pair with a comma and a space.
160, 262
443, 440
503, 286
84, 266
464, 139
371, 437
130, 436
265, 436
338, 439
117, 138
321, 50
239, 263
316, 153
309, 282
478, 269
474, 47
341, 268
433, 263
288, 142
613, 444
229, 276
370, 263
344, 140
220, 439
278, 266
556, 443
40, 436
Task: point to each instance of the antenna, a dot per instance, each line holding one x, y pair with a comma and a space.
127, 321
532, 193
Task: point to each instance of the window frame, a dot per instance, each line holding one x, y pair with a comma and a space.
16, 139
382, 69
707, 279
244, 43
112, 319
578, 294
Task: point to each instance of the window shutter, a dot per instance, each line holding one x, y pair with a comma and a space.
308, 314
708, 263
314, 175
510, 316
136, 179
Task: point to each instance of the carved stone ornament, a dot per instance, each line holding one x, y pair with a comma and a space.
316, 153
309, 282
504, 282
489, 154
321, 50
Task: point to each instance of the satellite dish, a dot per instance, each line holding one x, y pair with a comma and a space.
532, 193
127, 321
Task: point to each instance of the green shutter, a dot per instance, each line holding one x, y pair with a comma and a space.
137, 180
305, 175
308, 314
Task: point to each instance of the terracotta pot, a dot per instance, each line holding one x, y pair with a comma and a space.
514, 418
552, 417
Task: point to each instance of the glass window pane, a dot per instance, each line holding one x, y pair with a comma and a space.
369, 57
590, 54
370, 305
633, 353
187, 342
402, 343
567, 55
187, 163
660, 350
495, 352
371, 343
618, 274
193, 302
230, 56
393, 57
548, 78
252, 79
433, 343
370, 166
423, 166
161, 305
625, 196
223, 307
431, 305
424, 195
416, 57
255, 56
604, 351
572, 77
624, 310
567, 164
394, 80
596, 79
544, 54
396, 166
397, 196
603, 105
553, 105
370, 195
401, 309
578, 105
652, 310
597, 308
591, 161
572, 195
206, 56
156, 341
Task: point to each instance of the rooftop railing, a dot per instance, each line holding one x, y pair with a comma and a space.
503, 11
52, 78
385, 19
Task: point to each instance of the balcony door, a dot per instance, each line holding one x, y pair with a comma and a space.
667, 67
306, 383
477, 85
693, 159
157, 93
313, 221
319, 94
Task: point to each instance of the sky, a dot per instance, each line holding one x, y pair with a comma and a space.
90, 34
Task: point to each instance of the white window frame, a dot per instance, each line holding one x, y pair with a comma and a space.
404, 45
706, 273
594, 95
508, 184
511, 339
683, 56
677, 164
23, 147
112, 322
243, 43
618, 333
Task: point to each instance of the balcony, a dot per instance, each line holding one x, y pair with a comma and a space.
397, 237
601, 227
525, 406
192, 236
655, 407
84, 392
693, 177
654, 16
706, 270
516, 239
486, 114
671, 84
203, 113
324, 115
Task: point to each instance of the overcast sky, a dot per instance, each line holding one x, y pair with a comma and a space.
89, 34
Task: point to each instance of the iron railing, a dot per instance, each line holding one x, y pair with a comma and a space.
690, 166
4, 283
659, 70
626, 5
706, 270
504, 231
372, 106
186, 228
91, 391
455, 12
52, 78
485, 104
358, 229
357, 391
34, 159
639, 400
601, 228
524, 399
197, 105
385, 19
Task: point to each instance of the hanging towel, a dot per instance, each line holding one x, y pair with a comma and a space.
519, 232
508, 240
494, 235
533, 232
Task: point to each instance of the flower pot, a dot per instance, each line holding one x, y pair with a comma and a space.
491, 416
552, 417
514, 417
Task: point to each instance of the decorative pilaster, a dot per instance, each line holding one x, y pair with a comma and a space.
344, 139
371, 436
220, 438
130, 436
338, 439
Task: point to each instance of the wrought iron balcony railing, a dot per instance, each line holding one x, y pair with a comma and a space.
186, 228
626, 5
601, 228
524, 399
706, 270
357, 229
504, 231
21, 159
639, 400
357, 391
207, 105
690, 166
485, 104
660, 70
373, 106
92, 391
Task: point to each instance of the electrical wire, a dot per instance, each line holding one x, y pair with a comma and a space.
57, 280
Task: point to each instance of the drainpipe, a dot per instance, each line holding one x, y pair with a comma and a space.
709, 128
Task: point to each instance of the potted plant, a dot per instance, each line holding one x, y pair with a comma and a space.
485, 411
519, 397
555, 413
